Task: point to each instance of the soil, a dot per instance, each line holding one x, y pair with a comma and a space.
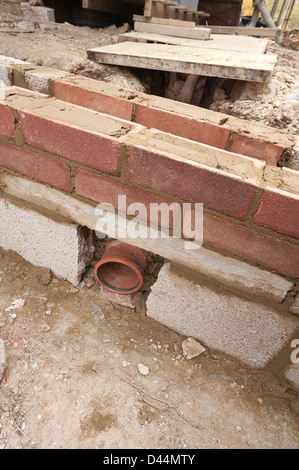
73, 375
273, 104
72, 380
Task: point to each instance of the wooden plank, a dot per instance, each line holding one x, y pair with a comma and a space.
217, 41
207, 62
147, 8
169, 9
113, 6
191, 33
246, 31
164, 21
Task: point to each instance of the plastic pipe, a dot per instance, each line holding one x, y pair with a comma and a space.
121, 268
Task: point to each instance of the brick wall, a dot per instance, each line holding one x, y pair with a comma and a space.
96, 141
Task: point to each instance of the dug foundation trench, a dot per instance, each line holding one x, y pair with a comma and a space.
53, 161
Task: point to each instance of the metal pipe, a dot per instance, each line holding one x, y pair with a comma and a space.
281, 12
264, 12
254, 17
288, 14
273, 11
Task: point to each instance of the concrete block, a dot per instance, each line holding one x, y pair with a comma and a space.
250, 331
40, 80
55, 243
11, 60
38, 13
6, 69
36, 78
5, 75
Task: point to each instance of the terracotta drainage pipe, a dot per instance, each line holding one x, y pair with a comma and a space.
121, 268
186, 93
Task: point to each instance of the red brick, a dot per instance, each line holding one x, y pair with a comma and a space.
35, 166
71, 92
183, 126
256, 148
106, 190
191, 181
89, 148
261, 249
7, 121
279, 211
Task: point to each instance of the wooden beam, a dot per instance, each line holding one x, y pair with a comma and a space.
164, 21
189, 60
148, 8
161, 9
191, 33
113, 6
246, 31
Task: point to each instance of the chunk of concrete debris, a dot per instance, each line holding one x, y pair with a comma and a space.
122, 299
16, 304
45, 328
143, 370
192, 348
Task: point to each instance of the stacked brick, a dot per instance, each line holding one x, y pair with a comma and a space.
96, 141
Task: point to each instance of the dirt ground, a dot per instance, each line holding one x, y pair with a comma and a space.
71, 377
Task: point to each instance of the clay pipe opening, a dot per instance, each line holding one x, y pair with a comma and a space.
121, 268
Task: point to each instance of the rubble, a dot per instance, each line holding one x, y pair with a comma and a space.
192, 348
